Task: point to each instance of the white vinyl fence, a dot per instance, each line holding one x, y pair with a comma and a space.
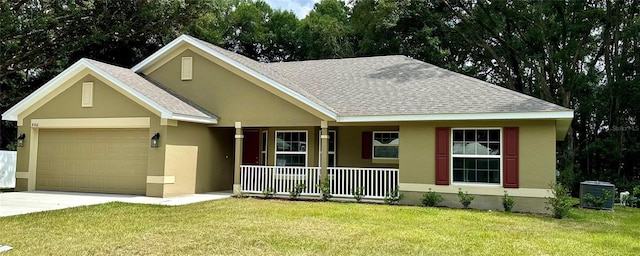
8, 169
375, 183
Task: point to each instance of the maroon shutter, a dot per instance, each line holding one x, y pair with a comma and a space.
367, 144
442, 155
510, 157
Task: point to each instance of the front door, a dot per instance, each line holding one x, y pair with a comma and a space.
251, 147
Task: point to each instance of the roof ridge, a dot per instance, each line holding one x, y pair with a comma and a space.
335, 59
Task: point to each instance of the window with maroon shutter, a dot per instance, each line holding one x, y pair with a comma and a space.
510, 157
442, 156
367, 143
476, 155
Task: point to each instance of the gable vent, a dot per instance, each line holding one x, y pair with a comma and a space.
187, 68
87, 94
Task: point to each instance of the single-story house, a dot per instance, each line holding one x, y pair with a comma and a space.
195, 118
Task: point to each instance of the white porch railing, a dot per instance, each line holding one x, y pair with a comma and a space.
279, 179
375, 183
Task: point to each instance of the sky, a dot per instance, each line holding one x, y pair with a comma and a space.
300, 7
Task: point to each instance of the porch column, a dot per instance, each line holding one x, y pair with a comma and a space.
324, 139
237, 159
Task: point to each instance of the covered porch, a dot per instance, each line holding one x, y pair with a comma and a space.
359, 159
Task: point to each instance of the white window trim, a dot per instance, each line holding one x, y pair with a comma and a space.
373, 151
306, 149
330, 152
265, 147
451, 155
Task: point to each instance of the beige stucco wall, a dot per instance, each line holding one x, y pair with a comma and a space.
107, 103
229, 96
349, 147
537, 147
201, 158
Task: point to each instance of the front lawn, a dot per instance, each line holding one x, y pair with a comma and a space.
275, 227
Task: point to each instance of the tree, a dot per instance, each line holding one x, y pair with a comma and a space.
397, 27
325, 32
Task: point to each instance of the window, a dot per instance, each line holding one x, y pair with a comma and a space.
264, 147
385, 145
291, 148
87, 94
476, 155
332, 149
187, 68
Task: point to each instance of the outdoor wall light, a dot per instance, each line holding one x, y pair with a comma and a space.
21, 140
154, 140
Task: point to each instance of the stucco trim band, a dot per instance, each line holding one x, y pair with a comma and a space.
125, 122
23, 175
477, 190
161, 179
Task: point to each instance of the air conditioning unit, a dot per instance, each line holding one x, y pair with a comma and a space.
596, 190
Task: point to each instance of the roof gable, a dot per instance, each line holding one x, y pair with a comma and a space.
255, 69
165, 104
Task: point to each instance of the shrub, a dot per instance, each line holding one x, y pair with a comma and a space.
268, 192
431, 198
393, 197
597, 201
357, 194
325, 189
297, 190
560, 202
507, 202
629, 200
465, 198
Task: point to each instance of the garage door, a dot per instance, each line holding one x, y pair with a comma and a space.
93, 160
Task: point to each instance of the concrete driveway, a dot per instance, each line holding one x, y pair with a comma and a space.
16, 203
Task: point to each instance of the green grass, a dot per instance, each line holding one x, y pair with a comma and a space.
276, 227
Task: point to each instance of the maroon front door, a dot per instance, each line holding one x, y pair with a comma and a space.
251, 147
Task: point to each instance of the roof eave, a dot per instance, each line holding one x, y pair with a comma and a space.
194, 119
12, 113
562, 118
566, 114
